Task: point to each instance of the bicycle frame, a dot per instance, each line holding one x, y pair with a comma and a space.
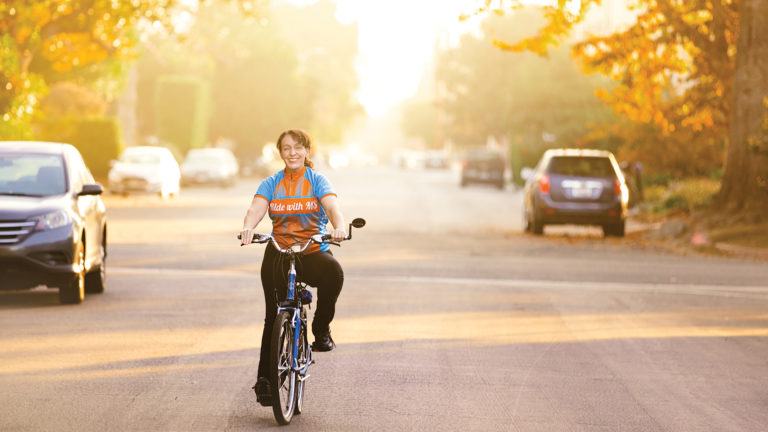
296, 321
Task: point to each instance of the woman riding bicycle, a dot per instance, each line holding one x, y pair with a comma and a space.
300, 201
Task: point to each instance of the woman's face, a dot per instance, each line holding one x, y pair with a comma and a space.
292, 153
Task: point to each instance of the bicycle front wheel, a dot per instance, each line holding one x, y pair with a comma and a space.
302, 361
282, 375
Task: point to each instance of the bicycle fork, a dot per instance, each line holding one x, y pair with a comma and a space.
296, 326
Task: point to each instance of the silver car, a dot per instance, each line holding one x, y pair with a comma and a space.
145, 169
53, 225
209, 166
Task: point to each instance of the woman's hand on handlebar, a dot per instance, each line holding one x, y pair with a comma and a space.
246, 236
338, 235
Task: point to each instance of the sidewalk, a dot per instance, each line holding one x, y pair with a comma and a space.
679, 235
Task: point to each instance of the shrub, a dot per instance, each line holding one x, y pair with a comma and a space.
97, 138
67, 98
182, 111
686, 195
697, 192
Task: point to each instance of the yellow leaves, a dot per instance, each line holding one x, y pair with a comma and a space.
699, 120
68, 50
697, 18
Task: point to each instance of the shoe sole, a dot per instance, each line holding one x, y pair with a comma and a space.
323, 349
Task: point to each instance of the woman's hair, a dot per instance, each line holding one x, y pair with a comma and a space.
301, 138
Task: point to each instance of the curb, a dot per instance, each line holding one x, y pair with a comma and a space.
733, 249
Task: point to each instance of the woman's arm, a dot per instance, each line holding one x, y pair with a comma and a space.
253, 216
331, 205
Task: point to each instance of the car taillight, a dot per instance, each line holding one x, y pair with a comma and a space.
544, 184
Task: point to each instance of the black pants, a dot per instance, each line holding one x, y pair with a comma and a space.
320, 270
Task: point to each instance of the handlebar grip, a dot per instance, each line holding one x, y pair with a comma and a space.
257, 238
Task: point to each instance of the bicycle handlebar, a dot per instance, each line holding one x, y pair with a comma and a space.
265, 238
317, 238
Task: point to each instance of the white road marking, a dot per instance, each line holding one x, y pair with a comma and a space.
738, 291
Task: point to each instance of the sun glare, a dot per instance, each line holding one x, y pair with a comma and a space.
397, 40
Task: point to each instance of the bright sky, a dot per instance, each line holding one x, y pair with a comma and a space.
396, 41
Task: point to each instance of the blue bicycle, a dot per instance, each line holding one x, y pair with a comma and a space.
290, 353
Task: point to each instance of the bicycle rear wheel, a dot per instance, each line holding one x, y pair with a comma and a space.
282, 375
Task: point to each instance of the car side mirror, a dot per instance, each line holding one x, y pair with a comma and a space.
91, 189
526, 173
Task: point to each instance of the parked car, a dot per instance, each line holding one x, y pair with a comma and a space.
145, 169
209, 166
483, 166
436, 159
53, 224
570, 186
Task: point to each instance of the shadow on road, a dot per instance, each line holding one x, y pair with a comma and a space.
29, 299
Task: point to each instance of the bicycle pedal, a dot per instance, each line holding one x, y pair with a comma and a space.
306, 297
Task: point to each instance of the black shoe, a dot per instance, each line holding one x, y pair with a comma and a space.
323, 343
263, 391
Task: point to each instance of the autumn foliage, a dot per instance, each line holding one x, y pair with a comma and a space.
672, 72
49, 40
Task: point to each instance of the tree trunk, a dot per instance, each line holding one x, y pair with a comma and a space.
745, 183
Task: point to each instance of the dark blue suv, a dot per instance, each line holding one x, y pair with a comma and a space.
53, 225
574, 186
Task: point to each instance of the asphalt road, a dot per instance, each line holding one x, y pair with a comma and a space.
450, 319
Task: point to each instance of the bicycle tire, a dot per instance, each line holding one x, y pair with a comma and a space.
303, 359
282, 375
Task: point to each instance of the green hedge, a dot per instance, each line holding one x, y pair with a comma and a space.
97, 138
182, 111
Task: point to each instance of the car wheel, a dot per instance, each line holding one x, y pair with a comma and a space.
526, 222
615, 230
73, 292
537, 227
96, 280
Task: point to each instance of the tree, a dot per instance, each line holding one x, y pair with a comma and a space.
537, 101
48, 39
674, 69
327, 51
420, 119
83, 41
288, 67
745, 184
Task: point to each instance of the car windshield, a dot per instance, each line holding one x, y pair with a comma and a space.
141, 158
35, 175
581, 166
483, 156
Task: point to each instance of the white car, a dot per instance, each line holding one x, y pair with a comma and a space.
145, 169
209, 165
